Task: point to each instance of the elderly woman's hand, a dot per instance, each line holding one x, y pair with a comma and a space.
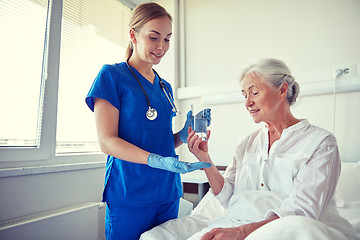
238, 233
235, 233
198, 147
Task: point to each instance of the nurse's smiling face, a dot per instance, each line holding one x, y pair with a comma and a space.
152, 40
261, 100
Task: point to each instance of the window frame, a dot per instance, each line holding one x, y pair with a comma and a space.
47, 147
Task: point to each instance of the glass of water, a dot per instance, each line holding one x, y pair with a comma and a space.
199, 124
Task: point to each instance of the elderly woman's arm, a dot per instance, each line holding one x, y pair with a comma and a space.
236, 233
200, 149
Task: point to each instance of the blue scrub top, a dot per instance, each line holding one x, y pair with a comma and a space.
126, 183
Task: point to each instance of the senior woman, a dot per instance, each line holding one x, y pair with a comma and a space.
292, 166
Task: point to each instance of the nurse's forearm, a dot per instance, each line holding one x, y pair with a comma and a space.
177, 140
124, 150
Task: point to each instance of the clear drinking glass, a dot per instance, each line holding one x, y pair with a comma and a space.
199, 125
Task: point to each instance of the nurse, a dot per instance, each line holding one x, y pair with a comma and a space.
133, 118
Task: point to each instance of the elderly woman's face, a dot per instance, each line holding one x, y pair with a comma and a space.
261, 100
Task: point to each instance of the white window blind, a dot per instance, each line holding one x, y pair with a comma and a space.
22, 31
93, 33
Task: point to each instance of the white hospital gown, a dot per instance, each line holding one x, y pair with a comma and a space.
303, 166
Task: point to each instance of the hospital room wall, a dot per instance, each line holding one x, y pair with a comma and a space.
223, 37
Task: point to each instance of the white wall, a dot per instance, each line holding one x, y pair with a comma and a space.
223, 37
35, 193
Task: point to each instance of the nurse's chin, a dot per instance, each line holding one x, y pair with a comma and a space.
156, 62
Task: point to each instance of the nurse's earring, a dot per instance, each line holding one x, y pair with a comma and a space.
132, 39
132, 36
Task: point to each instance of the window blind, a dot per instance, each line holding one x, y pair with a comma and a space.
94, 33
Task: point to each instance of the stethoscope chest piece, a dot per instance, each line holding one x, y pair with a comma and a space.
151, 113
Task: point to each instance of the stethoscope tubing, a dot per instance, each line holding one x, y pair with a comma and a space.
163, 87
167, 93
142, 88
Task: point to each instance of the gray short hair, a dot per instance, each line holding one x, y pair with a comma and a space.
275, 73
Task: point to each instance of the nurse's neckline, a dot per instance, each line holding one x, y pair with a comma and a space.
149, 75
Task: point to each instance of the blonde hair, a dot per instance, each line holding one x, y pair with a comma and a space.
275, 73
142, 14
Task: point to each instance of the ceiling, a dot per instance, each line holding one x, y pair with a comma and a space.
133, 3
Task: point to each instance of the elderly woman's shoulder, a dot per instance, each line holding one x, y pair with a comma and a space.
318, 130
319, 133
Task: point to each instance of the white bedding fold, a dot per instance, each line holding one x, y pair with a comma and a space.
250, 206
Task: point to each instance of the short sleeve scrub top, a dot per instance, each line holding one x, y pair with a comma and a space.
130, 184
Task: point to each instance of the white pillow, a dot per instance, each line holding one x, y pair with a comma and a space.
347, 195
348, 190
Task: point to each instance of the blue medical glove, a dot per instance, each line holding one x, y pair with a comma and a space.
173, 164
189, 122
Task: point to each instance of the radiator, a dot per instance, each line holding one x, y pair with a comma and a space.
80, 222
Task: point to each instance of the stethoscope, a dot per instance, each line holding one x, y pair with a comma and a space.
151, 113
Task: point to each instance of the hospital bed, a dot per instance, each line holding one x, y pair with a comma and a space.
347, 198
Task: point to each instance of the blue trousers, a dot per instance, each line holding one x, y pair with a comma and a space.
128, 223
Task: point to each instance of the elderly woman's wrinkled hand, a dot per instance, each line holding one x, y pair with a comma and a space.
225, 234
197, 146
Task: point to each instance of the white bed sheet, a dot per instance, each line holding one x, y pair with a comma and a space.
347, 199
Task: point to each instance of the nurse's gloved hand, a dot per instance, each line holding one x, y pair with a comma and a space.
189, 121
173, 164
